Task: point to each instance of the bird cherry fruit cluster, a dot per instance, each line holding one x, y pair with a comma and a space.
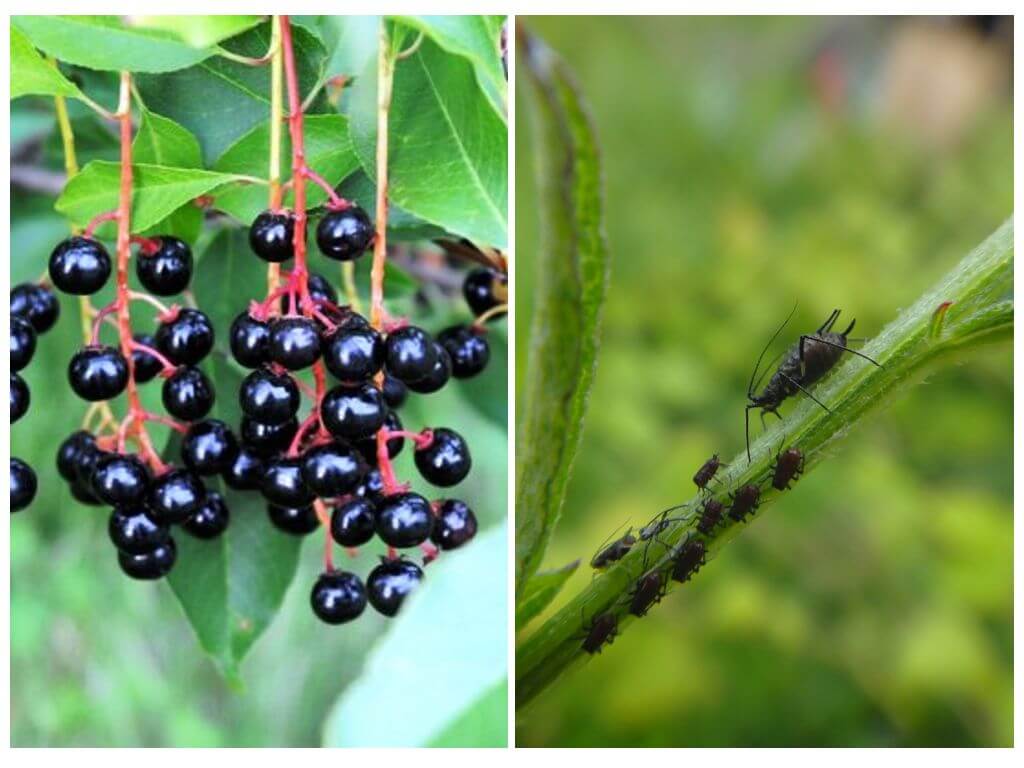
34, 310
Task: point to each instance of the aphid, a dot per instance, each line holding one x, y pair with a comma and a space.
744, 501
655, 527
689, 559
789, 465
602, 630
648, 590
707, 471
711, 516
803, 364
615, 551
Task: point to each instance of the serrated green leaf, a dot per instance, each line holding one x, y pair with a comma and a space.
571, 279
199, 31
161, 141
447, 160
158, 191
31, 74
107, 43
540, 590
328, 151
476, 37
220, 100
454, 622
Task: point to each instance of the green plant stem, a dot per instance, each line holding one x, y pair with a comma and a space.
970, 307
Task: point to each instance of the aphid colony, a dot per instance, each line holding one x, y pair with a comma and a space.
802, 365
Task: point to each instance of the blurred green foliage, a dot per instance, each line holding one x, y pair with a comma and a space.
872, 606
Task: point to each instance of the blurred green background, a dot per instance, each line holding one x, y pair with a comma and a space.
749, 164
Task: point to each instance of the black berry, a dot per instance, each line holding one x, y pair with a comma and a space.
209, 447
79, 265
246, 471
20, 397
344, 235
485, 289
168, 270
404, 520
267, 440
468, 349
36, 304
395, 392
331, 470
271, 236
98, 373
145, 366
368, 446
445, 460
351, 413
211, 519
410, 354
186, 339
282, 484
390, 583
71, 455
337, 597
268, 397
298, 521
23, 342
320, 290
454, 526
188, 394
250, 341
23, 485
294, 342
120, 480
175, 496
353, 354
149, 565
133, 531
439, 373
354, 522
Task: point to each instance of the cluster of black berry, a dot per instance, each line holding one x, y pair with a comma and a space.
34, 310
336, 463
147, 496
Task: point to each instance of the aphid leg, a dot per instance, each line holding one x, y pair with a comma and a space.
796, 384
837, 346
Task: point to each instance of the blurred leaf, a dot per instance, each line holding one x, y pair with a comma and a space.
161, 141
540, 590
452, 626
157, 191
236, 277
351, 42
571, 277
31, 74
328, 151
447, 149
483, 723
198, 31
478, 38
220, 100
106, 43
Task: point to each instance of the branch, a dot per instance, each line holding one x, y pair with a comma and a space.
972, 306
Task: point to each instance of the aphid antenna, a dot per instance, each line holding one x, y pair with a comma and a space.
750, 386
612, 534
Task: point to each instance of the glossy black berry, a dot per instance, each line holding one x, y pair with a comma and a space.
80, 266
410, 354
246, 471
298, 521
149, 565
353, 354
250, 341
83, 494
186, 339
351, 413
331, 470
120, 480
283, 484
320, 290
98, 372
133, 531
390, 583
23, 342
468, 349
20, 397
188, 394
294, 342
168, 270
445, 461
209, 447
146, 366
36, 304
368, 446
484, 289
354, 522
23, 485
267, 440
438, 376
404, 520
268, 397
71, 455
344, 235
175, 496
454, 525
337, 597
372, 486
395, 392
211, 519
271, 236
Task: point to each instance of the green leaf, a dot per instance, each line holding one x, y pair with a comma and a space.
158, 191
448, 149
161, 141
478, 38
455, 622
31, 74
351, 42
106, 43
199, 31
402, 225
572, 276
483, 723
328, 151
220, 100
540, 590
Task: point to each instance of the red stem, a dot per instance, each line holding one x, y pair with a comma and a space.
295, 130
97, 220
